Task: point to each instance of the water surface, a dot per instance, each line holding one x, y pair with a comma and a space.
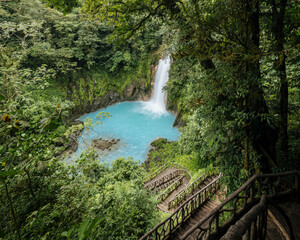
134, 125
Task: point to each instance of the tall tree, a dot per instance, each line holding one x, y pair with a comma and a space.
278, 12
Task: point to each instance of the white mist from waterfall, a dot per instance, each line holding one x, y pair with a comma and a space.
157, 104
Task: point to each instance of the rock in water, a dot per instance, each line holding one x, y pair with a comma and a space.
105, 144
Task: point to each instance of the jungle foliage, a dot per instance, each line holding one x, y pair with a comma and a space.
51, 65
234, 78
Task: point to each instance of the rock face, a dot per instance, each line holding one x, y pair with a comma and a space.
179, 122
140, 90
73, 144
132, 92
153, 70
105, 144
129, 90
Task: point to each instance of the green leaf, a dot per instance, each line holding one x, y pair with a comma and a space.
67, 234
86, 228
211, 142
82, 229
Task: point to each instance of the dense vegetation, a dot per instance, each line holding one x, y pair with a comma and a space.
234, 83
53, 67
234, 80
239, 89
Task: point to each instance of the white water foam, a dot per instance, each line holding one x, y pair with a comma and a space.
157, 104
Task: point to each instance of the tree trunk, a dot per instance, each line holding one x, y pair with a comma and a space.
262, 135
278, 22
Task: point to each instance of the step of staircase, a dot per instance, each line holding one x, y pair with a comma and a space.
208, 180
200, 213
164, 204
161, 175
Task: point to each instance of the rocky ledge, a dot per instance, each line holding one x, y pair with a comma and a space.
156, 145
105, 144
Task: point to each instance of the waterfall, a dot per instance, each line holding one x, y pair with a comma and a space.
157, 103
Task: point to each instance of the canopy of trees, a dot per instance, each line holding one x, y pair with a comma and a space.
235, 72
234, 80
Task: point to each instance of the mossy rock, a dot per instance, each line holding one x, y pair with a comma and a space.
159, 143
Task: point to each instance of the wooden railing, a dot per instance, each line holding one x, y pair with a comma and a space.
161, 169
178, 198
242, 200
165, 229
165, 179
165, 185
169, 190
252, 226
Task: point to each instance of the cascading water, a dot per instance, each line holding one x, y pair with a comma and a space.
136, 124
157, 104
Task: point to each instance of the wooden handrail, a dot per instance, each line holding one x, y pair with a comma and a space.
249, 221
257, 184
175, 201
203, 175
170, 224
166, 178
161, 169
167, 191
196, 182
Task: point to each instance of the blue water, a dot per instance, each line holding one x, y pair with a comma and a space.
134, 124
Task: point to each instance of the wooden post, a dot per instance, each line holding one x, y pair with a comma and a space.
297, 185
252, 192
253, 230
217, 223
245, 199
234, 208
